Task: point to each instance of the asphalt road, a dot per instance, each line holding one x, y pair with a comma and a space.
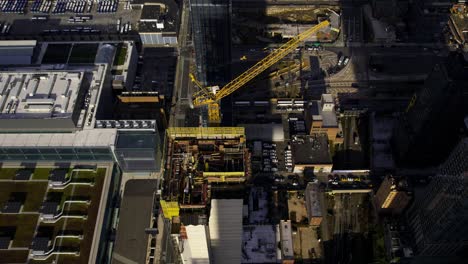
347, 221
182, 86
352, 24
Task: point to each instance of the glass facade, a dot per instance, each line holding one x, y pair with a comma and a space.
211, 27
138, 151
55, 154
135, 151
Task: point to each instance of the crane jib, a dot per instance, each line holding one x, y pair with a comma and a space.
206, 97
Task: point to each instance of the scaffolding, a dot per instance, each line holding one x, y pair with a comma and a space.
199, 156
207, 132
170, 209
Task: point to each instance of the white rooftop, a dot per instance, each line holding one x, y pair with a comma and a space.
286, 239
9, 43
196, 245
38, 94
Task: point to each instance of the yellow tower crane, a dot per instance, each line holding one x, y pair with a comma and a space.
211, 96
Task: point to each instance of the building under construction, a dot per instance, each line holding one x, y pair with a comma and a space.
197, 157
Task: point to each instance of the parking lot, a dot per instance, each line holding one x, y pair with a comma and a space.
66, 17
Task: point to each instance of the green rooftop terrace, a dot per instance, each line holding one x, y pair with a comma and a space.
79, 194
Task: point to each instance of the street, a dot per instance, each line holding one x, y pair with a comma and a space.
181, 101
352, 24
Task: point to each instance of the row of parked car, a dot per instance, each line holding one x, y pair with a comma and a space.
41, 6
345, 178
270, 159
73, 6
288, 159
79, 19
107, 6
4, 28
75, 30
13, 6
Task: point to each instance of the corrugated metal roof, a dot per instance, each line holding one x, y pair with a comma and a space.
225, 225
157, 39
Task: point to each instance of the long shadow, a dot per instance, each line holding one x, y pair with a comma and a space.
418, 77
389, 74
420, 63
211, 31
258, 28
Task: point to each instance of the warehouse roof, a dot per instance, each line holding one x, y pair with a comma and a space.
156, 38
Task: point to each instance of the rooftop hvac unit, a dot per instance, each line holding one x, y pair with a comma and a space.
40, 101
40, 108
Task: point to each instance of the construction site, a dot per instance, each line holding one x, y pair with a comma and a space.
253, 25
199, 157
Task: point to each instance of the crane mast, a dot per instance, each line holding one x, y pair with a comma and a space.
211, 97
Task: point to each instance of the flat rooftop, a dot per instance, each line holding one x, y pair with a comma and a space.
18, 43
311, 150
135, 216
150, 12
165, 12
38, 94
41, 204
328, 117
259, 244
313, 200
196, 247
